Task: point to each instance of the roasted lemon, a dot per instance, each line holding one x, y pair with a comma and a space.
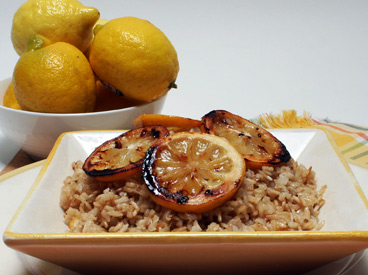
176, 123
192, 172
122, 157
257, 145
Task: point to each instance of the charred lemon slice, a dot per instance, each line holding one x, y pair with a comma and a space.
258, 146
175, 123
192, 172
122, 157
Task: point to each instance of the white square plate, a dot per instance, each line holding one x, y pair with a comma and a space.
38, 227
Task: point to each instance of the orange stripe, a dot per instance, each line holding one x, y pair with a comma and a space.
362, 135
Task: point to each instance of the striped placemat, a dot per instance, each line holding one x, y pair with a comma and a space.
352, 140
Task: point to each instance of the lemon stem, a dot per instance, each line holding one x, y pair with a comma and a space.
173, 85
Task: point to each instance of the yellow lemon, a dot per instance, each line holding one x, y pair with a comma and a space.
134, 57
107, 100
54, 78
58, 20
9, 99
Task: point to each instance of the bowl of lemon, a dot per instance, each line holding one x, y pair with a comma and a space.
89, 74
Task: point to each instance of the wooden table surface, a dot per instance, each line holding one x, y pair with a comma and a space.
19, 160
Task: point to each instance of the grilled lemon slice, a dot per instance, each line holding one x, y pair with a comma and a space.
258, 146
192, 172
175, 123
122, 157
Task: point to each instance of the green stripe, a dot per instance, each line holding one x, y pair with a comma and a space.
360, 155
356, 146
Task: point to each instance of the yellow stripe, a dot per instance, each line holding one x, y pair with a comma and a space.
342, 139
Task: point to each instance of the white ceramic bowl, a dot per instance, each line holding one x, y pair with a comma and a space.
36, 133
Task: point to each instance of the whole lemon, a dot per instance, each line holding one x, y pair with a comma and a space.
134, 57
54, 78
9, 99
107, 100
58, 20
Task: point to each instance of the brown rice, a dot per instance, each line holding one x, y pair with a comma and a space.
272, 198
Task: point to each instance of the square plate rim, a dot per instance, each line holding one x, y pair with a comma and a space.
13, 238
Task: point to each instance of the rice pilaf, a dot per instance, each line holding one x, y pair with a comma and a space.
273, 198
